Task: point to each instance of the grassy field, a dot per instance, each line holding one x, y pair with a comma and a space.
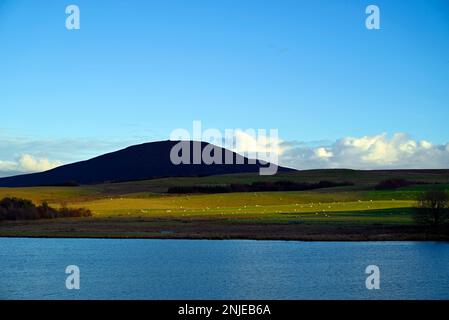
261, 207
143, 206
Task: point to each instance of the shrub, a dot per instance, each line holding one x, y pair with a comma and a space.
23, 209
17, 209
258, 186
69, 183
199, 189
433, 208
391, 184
71, 212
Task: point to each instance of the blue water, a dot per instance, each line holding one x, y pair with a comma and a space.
205, 269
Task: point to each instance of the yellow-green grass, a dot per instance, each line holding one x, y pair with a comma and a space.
360, 203
50, 194
261, 207
362, 189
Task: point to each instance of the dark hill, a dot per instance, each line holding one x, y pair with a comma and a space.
139, 162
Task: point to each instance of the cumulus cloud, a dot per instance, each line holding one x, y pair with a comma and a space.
252, 142
381, 151
368, 152
26, 164
32, 164
20, 155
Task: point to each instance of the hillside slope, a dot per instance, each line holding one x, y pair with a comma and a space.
139, 162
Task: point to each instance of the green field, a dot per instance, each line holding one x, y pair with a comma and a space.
144, 209
358, 203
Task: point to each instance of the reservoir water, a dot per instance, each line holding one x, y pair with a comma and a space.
227, 269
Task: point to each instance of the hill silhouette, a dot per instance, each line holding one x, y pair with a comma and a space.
138, 162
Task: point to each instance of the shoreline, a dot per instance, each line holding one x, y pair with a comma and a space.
219, 239
215, 230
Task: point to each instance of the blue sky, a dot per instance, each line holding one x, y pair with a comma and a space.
136, 70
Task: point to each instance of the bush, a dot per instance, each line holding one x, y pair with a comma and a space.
257, 186
391, 184
69, 183
71, 213
23, 209
433, 208
199, 189
17, 209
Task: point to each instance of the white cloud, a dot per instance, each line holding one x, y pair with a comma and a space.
26, 164
32, 164
13, 146
368, 152
8, 165
323, 153
20, 155
247, 142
